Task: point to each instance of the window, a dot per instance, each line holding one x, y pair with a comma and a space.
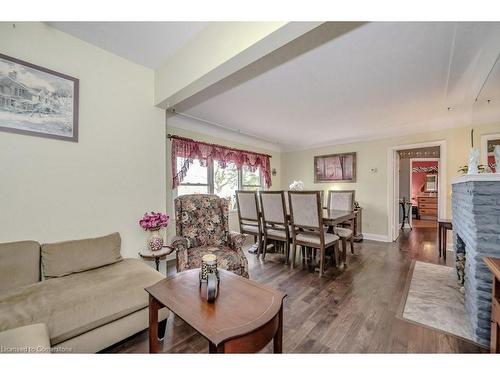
226, 182
196, 180
251, 180
217, 180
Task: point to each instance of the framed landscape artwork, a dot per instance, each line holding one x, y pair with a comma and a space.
37, 101
335, 168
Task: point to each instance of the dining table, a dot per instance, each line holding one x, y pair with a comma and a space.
331, 218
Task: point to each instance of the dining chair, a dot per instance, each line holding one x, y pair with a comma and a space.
342, 200
274, 220
306, 219
249, 216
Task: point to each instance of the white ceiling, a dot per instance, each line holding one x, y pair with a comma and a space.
146, 43
380, 79
377, 80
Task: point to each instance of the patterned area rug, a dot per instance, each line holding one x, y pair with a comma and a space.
434, 300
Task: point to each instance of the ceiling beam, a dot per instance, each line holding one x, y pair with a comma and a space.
219, 50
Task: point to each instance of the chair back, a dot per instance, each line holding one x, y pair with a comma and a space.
202, 219
306, 210
287, 201
341, 200
248, 206
273, 207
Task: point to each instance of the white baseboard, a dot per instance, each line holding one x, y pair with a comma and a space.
375, 237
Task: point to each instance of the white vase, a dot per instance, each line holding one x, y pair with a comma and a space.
155, 241
473, 161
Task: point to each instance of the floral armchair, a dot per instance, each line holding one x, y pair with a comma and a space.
202, 228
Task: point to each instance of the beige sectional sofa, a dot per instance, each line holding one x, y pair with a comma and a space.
86, 294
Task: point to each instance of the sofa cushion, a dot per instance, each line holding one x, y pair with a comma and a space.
19, 264
64, 258
33, 338
79, 302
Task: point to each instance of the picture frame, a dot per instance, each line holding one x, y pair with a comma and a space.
335, 167
37, 101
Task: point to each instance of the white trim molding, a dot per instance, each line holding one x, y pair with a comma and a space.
375, 237
205, 127
393, 183
476, 177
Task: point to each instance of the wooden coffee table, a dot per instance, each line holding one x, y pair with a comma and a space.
243, 319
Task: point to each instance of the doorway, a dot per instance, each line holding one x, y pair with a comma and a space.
416, 191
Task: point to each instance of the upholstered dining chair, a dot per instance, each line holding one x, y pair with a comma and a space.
202, 228
342, 200
249, 216
274, 221
306, 219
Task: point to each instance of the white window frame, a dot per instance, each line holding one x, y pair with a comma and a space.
210, 180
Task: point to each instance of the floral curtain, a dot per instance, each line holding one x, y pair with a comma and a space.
206, 152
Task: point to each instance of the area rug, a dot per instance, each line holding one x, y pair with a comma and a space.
434, 300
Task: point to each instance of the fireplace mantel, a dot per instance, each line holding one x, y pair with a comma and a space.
476, 177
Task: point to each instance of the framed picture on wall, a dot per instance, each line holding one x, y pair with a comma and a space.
490, 153
335, 168
37, 101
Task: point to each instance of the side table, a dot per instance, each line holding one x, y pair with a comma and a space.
443, 226
156, 255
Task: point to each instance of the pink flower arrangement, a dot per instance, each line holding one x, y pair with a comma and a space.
154, 221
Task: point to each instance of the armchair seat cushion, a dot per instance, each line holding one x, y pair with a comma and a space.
227, 258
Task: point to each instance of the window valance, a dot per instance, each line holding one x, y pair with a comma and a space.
205, 152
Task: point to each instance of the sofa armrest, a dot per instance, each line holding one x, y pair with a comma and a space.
29, 339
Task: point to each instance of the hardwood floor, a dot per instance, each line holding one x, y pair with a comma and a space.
424, 223
350, 311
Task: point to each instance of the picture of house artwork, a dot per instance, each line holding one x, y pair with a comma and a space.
37, 101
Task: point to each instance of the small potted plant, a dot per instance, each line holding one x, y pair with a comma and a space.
481, 168
153, 222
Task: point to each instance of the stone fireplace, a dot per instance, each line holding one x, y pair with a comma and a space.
476, 232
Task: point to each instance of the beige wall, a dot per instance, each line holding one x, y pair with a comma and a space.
53, 190
372, 188
275, 163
